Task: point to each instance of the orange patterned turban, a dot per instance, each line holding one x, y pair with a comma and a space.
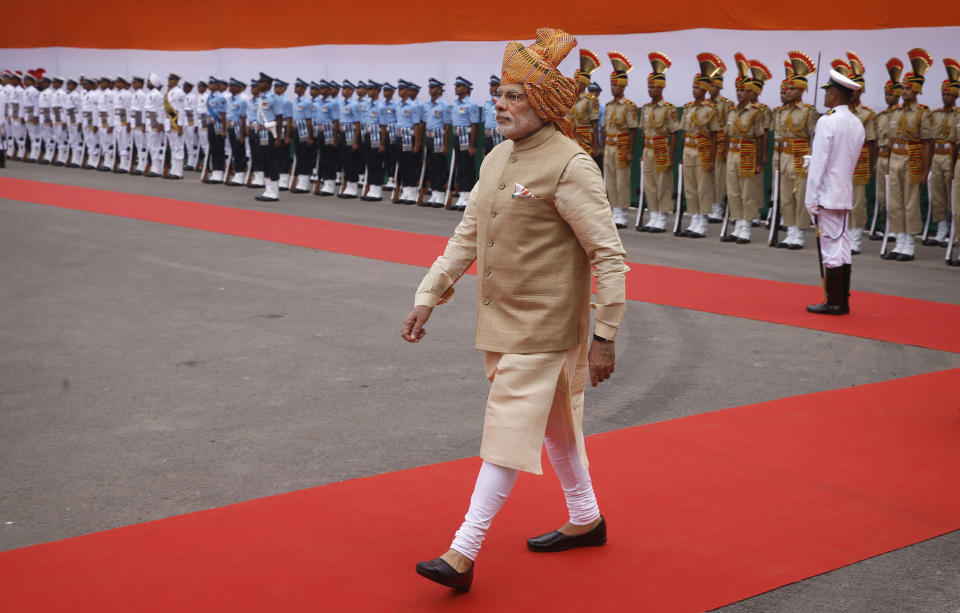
551, 94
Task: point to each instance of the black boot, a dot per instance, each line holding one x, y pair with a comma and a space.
847, 269
834, 288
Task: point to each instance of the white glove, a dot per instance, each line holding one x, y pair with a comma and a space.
806, 161
813, 209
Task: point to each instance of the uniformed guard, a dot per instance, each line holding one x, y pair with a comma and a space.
437, 119
350, 134
595, 90
941, 166
328, 120
217, 129
173, 125
585, 115
58, 118
373, 144
284, 136
911, 144
464, 126
191, 125
620, 132
138, 137
723, 105
410, 128
31, 119
793, 133
153, 119
700, 123
868, 154
236, 116
203, 125
747, 126
659, 123
45, 112
389, 141
269, 116
491, 135
74, 110
892, 90
17, 147
122, 125
302, 133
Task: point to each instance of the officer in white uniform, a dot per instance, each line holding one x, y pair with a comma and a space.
189, 126
31, 115
123, 127
173, 125
829, 197
91, 140
58, 154
153, 124
45, 114
73, 110
105, 117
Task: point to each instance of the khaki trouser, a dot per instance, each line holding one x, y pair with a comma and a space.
883, 167
793, 189
616, 179
904, 197
698, 183
940, 176
720, 182
956, 194
858, 215
657, 185
743, 195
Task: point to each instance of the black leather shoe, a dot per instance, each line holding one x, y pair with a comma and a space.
439, 571
903, 257
743, 241
729, 238
557, 541
794, 246
826, 309
890, 255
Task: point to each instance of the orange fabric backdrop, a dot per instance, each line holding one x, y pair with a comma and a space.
192, 24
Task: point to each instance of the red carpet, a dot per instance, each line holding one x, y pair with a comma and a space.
875, 316
703, 511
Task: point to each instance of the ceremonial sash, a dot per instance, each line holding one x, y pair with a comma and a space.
302, 129
721, 145
861, 173
661, 151
437, 139
748, 159
374, 130
327, 128
463, 136
406, 139
801, 147
584, 137
704, 150
915, 151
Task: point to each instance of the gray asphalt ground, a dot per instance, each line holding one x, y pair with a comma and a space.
150, 370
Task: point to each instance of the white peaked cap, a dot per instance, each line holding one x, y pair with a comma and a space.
838, 79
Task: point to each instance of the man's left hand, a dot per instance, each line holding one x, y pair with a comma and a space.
601, 361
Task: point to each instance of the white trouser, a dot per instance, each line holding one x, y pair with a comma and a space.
834, 237
75, 138
124, 148
49, 142
494, 484
91, 140
155, 144
33, 130
140, 142
175, 142
190, 140
108, 145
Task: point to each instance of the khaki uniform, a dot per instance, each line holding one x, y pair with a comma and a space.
861, 173
793, 136
620, 117
585, 111
724, 105
744, 178
941, 167
883, 154
955, 196
700, 123
908, 127
658, 120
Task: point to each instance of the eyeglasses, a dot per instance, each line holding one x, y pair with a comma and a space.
511, 97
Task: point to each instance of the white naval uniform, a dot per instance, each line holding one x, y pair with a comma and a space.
73, 110
45, 113
31, 119
138, 98
190, 127
18, 132
105, 117
59, 117
123, 127
202, 122
153, 113
176, 98
91, 141
836, 148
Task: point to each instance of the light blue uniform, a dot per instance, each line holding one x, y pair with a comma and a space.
216, 104
303, 109
436, 115
464, 114
328, 111
490, 131
409, 114
236, 109
349, 115
372, 122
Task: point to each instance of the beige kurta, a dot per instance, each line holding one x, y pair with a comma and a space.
534, 257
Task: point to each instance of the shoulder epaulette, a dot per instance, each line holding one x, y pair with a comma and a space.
779, 108
688, 105
864, 106
763, 106
667, 104
923, 106
629, 102
831, 112
807, 106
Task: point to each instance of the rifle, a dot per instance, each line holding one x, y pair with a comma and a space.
726, 222
678, 213
640, 202
423, 174
929, 218
875, 217
953, 225
816, 223
773, 237
886, 227
449, 192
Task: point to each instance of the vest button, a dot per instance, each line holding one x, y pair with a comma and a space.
501, 186
514, 159
489, 243
493, 214
489, 272
486, 301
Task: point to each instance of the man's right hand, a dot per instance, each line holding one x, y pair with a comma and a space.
413, 329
